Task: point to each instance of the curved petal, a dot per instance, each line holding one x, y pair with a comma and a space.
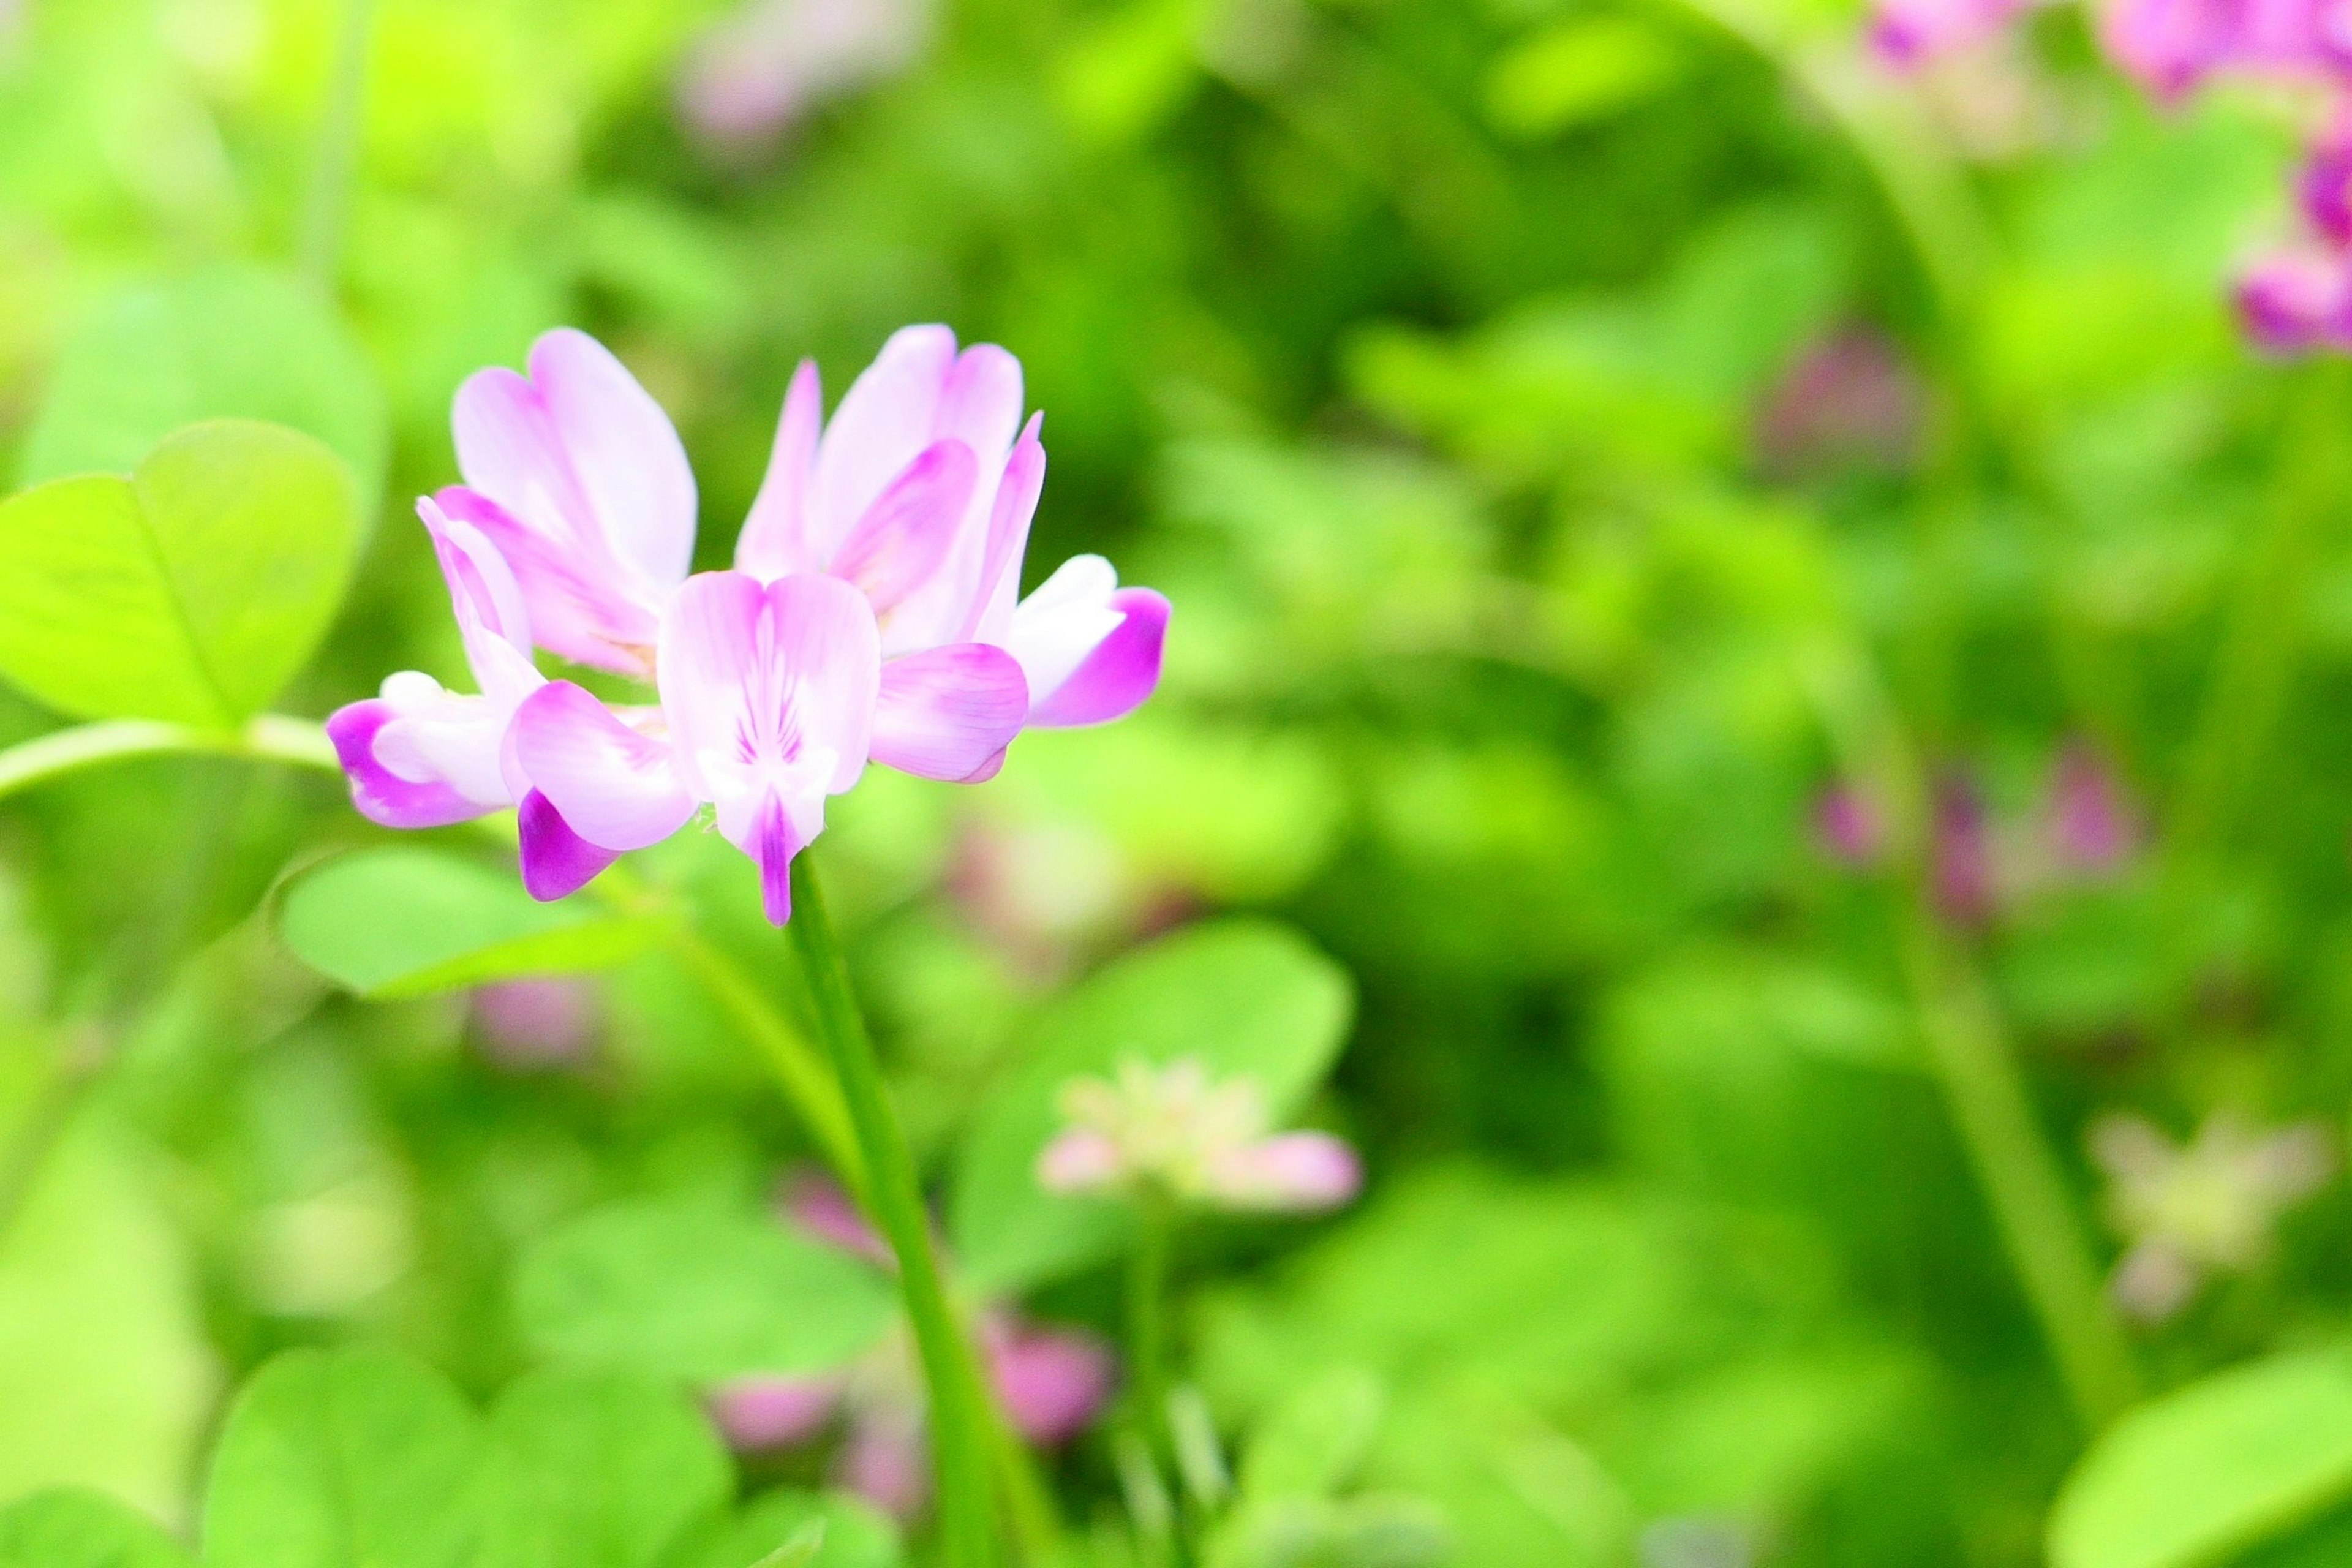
709, 658
1294, 1172
571, 612
1121, 671
887, 416
1052, 1383
946, 712
381, 795
624, 451
828, 657
438, 736
990, 614
775, 539
489, 605
615, 787
906, 535
775, 839
755, 1414
556, 861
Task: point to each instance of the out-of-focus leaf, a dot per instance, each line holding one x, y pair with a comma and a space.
1576, 72
348, 1458
105, 1377
2225, 1465
597, 1469
228, 342
696, 1292
193, 591
409, 922
71, 1529
776, 1531
1242, 998
1314, 1440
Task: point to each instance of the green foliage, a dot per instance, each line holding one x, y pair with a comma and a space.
597, 1469
2246, 1458
410, 923
192, 591
228, 342
794, 1529
82, 1530
1240, 998
348, 1458
694, 1292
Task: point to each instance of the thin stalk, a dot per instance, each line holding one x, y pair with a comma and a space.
960, 1419
326, 206
267, 739
815, 1095
1147, 1323
1976, 1062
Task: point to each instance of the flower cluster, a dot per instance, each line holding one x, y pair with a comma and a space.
2206, 1208
2294, 299
1174, 1131
872, 612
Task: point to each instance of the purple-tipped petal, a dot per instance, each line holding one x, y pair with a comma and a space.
774, 541
556, 861
949, 712
906, 535
1122, 670
1052, 1382
1292, 1173
758, 1413
381, 795
615, 786
777, 841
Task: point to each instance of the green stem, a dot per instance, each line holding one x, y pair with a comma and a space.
325, 207
1147, 1330
806, 1083
960, 1422
267, 739
1975, 1061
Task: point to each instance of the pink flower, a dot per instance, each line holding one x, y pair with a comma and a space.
1909, 34
2090, 825
1966, 879
1849, 826
2296, 300
874, 616
760, 67
1175, 1131
535, 1023
1052, 1383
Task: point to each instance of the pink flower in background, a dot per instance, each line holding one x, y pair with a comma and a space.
2206, 1208
875, 614
1052, 1383
1965, 877
549, 1021
2090, 825
760, 69
1908, 34
1850, 830
1850, 399
1174, 1131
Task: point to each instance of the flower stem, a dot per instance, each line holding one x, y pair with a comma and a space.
960, 1420
1147, 1323
267, 739
325, 206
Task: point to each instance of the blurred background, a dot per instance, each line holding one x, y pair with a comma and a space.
1743, 597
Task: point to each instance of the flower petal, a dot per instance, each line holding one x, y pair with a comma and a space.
990, 613
615, 787
756, 1413
1292, 1173
626, 453
1121, 672
1052, 1383
1081, 1161
887, 416
556, 861
776, 839
775, 541
489, 605
381, 795
828, 655
709, 658
945, 713
906, 535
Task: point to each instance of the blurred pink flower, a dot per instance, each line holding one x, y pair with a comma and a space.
1850, 830
760, 67
540, 1022
1173, 1130
1851, 399
2090, 826
1966, 880
1052, 1383
2297, 299
2206, 1208
1908, 34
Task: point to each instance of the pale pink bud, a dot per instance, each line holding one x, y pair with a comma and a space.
533, 1024
1052, 1382
1296, 1172
756, 1413
1080, 1160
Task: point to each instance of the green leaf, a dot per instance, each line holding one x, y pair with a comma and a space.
106, 1379
693, 1291
227, 343
776, 1531
349, 1458
2220, 1467
598, 1469
409, 922
1578, 72
1240, 996
73, 1529
191, 592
